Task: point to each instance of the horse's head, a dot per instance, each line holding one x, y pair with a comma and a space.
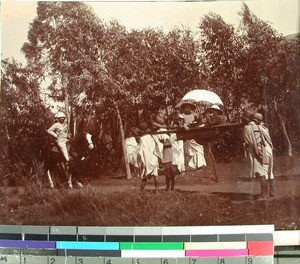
90, 143
81, 145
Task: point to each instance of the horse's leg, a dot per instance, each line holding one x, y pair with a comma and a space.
71, 174
79, 184
70, 181
68, 171
65, 172
50, 179
60, 172
75, 176
49, 167
73, 169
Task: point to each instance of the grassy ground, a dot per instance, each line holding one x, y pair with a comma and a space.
198, 200
132, 208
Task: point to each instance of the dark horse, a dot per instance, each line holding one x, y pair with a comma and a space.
79, 148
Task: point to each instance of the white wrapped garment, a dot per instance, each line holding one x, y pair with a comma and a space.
178, 153
131, 147
148, 156
195, 152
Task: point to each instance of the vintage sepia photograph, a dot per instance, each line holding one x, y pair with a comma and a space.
139, 113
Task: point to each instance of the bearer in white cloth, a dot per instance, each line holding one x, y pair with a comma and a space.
177, 147
260, 149
147, 156
178, 153
131, 147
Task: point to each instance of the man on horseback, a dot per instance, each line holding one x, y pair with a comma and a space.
59, 130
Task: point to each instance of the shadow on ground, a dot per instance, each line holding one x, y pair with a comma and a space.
237, 196
233, 196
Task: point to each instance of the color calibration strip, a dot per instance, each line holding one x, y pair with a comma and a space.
137, 245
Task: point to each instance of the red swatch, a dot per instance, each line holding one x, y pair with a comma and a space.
260, 248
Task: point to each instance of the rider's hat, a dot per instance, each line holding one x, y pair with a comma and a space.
60, 115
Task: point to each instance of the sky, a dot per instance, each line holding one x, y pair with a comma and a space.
16, 16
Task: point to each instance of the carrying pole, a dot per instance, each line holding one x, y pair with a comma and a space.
213, 161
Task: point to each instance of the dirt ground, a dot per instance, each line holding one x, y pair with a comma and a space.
234, 186
230, 200
232, 180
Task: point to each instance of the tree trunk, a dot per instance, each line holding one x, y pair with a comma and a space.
122, 134
284, 132
65, 91
72, 124
75, 121
66, 99
167, 115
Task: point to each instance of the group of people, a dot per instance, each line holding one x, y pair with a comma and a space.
151, 152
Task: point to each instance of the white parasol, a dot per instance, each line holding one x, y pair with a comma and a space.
202, 96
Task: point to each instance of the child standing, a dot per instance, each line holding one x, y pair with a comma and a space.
164, 151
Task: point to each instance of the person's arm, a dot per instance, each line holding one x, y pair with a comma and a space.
209, 120
52, 130
197, 115
186, 127
187, 121
216, 120
162, 137
266, 135
247, 135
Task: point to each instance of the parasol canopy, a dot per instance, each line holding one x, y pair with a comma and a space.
202, 96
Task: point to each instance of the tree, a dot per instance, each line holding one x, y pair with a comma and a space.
220, 61
144, 71
252, 62
269, 69
23, 120
173, 66
63, 44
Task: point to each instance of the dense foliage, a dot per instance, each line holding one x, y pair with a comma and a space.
113, 78
23, 120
